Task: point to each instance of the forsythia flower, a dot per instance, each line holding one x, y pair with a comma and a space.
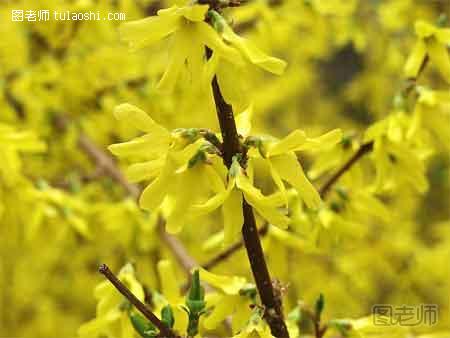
433, 42
232, 300
189, 35
284, 165
256, 328
165, 157
431, 115
396, 163
112, 314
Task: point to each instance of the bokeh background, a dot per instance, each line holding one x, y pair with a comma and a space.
61, 214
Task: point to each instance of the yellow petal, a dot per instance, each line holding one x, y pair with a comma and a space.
153, 195
212, 39
231, 285
254, 54
149, 146
233, 218
178, 53
170, 287
439, 57
325, 141
291, 171
145, 32
415, 60
213, 203
261, 203
184, 196
424, 29
195, 13
443, 36
128, 113
278, 182
244, 121
144, 171
222, 309
293, 141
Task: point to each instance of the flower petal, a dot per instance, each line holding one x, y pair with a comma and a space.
233, 218
144, 171
415, 60
128, 113
290, 170
213, 40
252, 53
289, 143
244, 121
439, 57
145, 32
231, 285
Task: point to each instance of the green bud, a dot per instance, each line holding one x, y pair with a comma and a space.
142, 326
320, 304
442, 20
342, 193
200, 156
167, 316
249, 290
235, 167
217, 20
195, 301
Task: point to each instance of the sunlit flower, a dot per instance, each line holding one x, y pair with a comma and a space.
433, 42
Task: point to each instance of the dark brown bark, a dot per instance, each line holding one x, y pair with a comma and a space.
363, 149
164, 331
232, 147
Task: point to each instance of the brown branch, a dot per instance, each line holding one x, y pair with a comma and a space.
164, 331
231, 250
232, 147
363, 149
178, 250
109, 167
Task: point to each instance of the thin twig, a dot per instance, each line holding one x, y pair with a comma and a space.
164, 331
178, 250
363, 149
231, 250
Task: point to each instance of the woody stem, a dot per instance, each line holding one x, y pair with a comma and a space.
232, 147
164, 331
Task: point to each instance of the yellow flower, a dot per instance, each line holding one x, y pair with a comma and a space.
256, 328
230, 300
396, 161
189, 35
285, 167
433, 42
230, 198
431, 116
247, 49
165, 156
